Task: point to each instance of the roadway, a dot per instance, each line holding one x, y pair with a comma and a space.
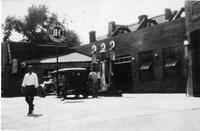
131, 112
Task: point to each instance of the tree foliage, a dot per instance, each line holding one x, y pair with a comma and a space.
72, 39
34, 26
11, 23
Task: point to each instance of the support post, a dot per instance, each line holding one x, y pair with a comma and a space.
57, 80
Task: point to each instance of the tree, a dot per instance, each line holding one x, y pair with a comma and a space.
11, 23
72, 39
34, 26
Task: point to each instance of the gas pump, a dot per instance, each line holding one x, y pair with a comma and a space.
106, 65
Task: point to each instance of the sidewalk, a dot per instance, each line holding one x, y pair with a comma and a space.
132, 112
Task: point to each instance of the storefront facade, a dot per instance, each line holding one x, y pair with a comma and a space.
149, 60
161, 58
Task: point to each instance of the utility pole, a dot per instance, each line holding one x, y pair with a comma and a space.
57, 34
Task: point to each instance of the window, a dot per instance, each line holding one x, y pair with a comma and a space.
171, 62
123, 59
146, 66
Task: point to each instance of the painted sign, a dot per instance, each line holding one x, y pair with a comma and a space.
57, 32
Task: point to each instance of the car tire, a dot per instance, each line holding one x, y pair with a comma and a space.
51, 89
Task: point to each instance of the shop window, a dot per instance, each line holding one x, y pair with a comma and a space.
146, 66
171, 62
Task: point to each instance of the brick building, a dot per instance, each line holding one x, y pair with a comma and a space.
158, 54
192, 23
150, 55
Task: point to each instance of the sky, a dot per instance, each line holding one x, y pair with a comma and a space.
84, 16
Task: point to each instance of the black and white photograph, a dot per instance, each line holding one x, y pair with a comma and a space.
100, 65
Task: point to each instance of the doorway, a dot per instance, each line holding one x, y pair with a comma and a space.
123, 77
195, 42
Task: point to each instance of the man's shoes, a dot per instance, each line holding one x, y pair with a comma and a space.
63, 99
32, 107
30, 110
29, 113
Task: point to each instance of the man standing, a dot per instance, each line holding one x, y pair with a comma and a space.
92, 80
30, 83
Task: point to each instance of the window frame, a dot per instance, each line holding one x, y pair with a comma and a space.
146, 58
170, 55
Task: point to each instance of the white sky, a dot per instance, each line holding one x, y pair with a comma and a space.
88, 15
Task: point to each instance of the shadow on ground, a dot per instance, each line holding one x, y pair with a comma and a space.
77, 101
35, 115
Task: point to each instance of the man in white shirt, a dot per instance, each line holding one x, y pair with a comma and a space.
92, 80
30, 83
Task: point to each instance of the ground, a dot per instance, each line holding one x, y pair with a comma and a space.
131, 112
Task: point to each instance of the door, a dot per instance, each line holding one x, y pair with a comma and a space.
195, 42
123, 77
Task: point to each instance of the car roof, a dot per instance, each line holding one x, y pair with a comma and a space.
69, 69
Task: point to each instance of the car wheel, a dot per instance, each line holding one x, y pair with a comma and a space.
52, 89
41, 92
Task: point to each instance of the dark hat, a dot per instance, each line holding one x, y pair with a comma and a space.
30, 66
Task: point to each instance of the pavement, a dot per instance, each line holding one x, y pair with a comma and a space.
131, 112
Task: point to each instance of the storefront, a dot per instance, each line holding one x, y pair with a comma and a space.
148, 59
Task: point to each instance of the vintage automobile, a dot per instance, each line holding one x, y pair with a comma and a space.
73, 81
47, 86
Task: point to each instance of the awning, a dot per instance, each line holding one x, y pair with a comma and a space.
171, 64
145, 66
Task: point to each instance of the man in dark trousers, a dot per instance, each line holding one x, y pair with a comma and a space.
93, 81
29, 84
